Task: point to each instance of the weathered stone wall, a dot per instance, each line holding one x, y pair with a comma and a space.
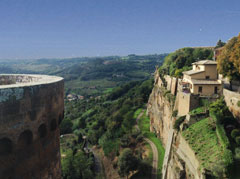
30, 113
183, 162
160, 110
232, 99
186, 103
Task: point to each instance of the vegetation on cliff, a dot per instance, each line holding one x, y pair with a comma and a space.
212, 142
181, 60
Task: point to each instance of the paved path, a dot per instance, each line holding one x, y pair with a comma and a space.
154, 150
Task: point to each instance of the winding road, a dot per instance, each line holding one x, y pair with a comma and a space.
154, 150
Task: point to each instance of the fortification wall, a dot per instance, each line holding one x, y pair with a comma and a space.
232, 99
31, 109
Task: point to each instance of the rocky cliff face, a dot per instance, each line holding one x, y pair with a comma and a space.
180, 161
160, 111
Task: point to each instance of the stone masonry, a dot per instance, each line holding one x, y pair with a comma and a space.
31, 109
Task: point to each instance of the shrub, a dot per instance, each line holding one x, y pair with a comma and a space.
238, 103
221, 134
139, 138
135, 133
237, 153
237, 139
178, 122
174, 114
166, 93
235, 133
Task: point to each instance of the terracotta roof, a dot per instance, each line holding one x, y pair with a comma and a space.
192, 72
205, 62
206, 82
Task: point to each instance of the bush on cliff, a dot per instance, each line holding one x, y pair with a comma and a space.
178, 122
127, 162
235, 133
237, 139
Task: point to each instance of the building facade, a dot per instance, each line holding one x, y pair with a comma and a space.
202, 79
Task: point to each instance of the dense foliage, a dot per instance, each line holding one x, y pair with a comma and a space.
105, 120
181, 60
127, 162
77, 166
229, 59
108, 122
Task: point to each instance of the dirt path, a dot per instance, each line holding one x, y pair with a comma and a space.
154, 150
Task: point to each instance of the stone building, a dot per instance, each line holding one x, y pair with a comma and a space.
202, 79
31, 109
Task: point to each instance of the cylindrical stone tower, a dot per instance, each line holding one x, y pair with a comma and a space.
31, 109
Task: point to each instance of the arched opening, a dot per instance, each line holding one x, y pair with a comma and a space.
53, 125
25, 138
60, 119
42, 131
5, 146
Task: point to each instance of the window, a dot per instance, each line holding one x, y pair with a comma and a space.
207, 77
215, 90
200, 89
25, 138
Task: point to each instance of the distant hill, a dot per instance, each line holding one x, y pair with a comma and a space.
89, 75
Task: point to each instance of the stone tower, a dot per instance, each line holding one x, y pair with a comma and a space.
31, 109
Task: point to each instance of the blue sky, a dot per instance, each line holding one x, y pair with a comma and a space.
71, 28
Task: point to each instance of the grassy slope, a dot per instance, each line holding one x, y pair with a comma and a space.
204, 141
144, 125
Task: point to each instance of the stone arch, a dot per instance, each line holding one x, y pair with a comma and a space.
42, 130
53, 125
25, 138
5, 146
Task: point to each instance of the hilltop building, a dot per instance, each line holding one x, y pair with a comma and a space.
202, 79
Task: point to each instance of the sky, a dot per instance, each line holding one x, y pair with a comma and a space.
31, 29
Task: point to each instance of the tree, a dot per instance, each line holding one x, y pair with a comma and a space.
66, 126
220, 44
127, 162
235, 55
77, 166
229, 60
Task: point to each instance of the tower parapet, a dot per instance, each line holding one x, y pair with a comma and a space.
31, 109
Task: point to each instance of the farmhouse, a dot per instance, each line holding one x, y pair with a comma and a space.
202, 79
